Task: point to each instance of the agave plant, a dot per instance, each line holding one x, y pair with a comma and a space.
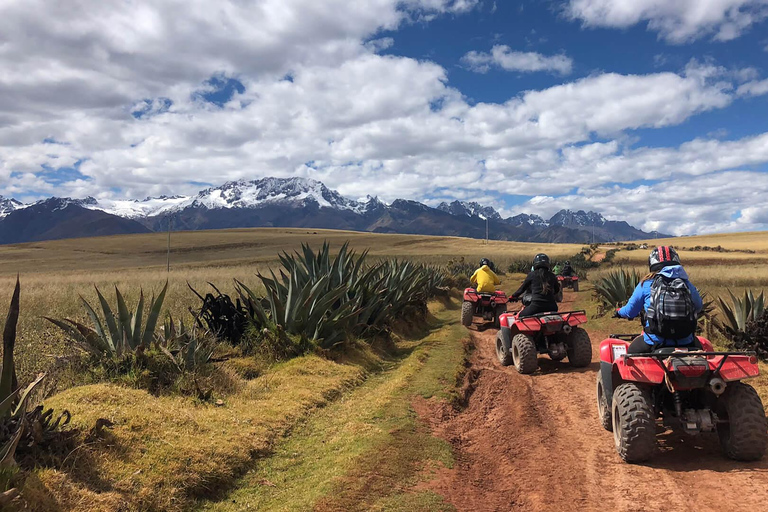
17, 424
188, 348
115, 335
224, 318
736, 315
616, 287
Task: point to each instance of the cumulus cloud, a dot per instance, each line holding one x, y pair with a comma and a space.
116, 97
677, 21
753, 88
504, 57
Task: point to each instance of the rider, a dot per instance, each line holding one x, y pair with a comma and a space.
543, 286
484, 278
567, 269
663, 261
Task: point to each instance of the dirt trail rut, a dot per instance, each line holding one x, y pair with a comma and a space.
534, 443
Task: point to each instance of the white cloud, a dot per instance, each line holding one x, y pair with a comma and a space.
677, 21
713, 203
753, 88
320, 102
504, 57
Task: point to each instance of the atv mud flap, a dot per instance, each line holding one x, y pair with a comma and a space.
606, 374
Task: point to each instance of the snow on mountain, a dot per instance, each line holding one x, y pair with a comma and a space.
134, 209
579, 218
472, 209
524, 219
8, 205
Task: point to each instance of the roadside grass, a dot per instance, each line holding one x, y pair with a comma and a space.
163, 452
367, 450
170, 452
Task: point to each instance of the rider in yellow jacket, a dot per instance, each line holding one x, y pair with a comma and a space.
485, 279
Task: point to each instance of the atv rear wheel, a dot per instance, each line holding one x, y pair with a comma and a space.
499, 310
579, 348
603, 407
524, 354
575, 286
745, 436
634, 423
503, 346
467, 312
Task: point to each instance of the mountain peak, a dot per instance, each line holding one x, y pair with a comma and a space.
8, 205
578, 218
471, 209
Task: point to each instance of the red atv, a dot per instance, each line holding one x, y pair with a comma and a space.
569, 282
520, 340
691, 391
490, 306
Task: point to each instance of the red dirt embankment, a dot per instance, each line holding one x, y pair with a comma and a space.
534, 443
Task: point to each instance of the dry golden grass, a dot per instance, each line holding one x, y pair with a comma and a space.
753, 240
54, 274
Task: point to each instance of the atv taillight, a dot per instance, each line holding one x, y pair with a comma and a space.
752, 359
629, 361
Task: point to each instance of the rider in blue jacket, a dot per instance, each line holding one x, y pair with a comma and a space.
665, 261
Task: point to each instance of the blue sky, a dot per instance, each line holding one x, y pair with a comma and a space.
646, 110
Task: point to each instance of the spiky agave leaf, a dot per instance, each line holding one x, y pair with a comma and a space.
8, 374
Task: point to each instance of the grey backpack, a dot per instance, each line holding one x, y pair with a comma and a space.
671, 313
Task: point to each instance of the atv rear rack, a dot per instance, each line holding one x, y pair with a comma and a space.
623, 337
565, 314
680, 355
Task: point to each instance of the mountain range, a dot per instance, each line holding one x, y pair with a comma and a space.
294, 202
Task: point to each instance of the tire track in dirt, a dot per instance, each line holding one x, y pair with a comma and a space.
534, 443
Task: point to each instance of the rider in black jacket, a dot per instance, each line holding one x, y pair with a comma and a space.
542, 284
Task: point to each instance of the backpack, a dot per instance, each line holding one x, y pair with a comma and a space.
670, 313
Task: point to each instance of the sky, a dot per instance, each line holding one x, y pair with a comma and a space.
650, 111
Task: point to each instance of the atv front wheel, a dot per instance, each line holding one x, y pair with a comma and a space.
503, 345
745, 435
524, 354
603, 408
467, 312
499, 310
575, 286
634, 423
579, 348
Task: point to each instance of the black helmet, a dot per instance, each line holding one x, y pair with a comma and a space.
541, 261
567, 262
662, 256
485, 261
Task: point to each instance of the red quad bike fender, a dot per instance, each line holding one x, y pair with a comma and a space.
472, 295
615, 368
535, 323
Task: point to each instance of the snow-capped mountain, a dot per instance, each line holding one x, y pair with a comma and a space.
470, 210
239, 194
524, 219
579, 218
8, 205
293, 202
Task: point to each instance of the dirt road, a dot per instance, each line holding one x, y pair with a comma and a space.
534, 443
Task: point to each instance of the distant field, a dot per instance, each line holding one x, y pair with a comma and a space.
55, 273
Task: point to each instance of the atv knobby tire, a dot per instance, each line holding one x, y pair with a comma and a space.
634, 423
524, 354
603, 407
575, 286
499, 310
579, 348
467, 312
503, 347
745, 436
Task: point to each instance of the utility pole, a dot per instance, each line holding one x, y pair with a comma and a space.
486, 231
168, 254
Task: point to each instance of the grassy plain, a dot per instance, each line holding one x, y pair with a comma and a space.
54, 274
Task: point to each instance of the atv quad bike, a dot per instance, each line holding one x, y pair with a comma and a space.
692, 391
571, 282
521, 339
489, 306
